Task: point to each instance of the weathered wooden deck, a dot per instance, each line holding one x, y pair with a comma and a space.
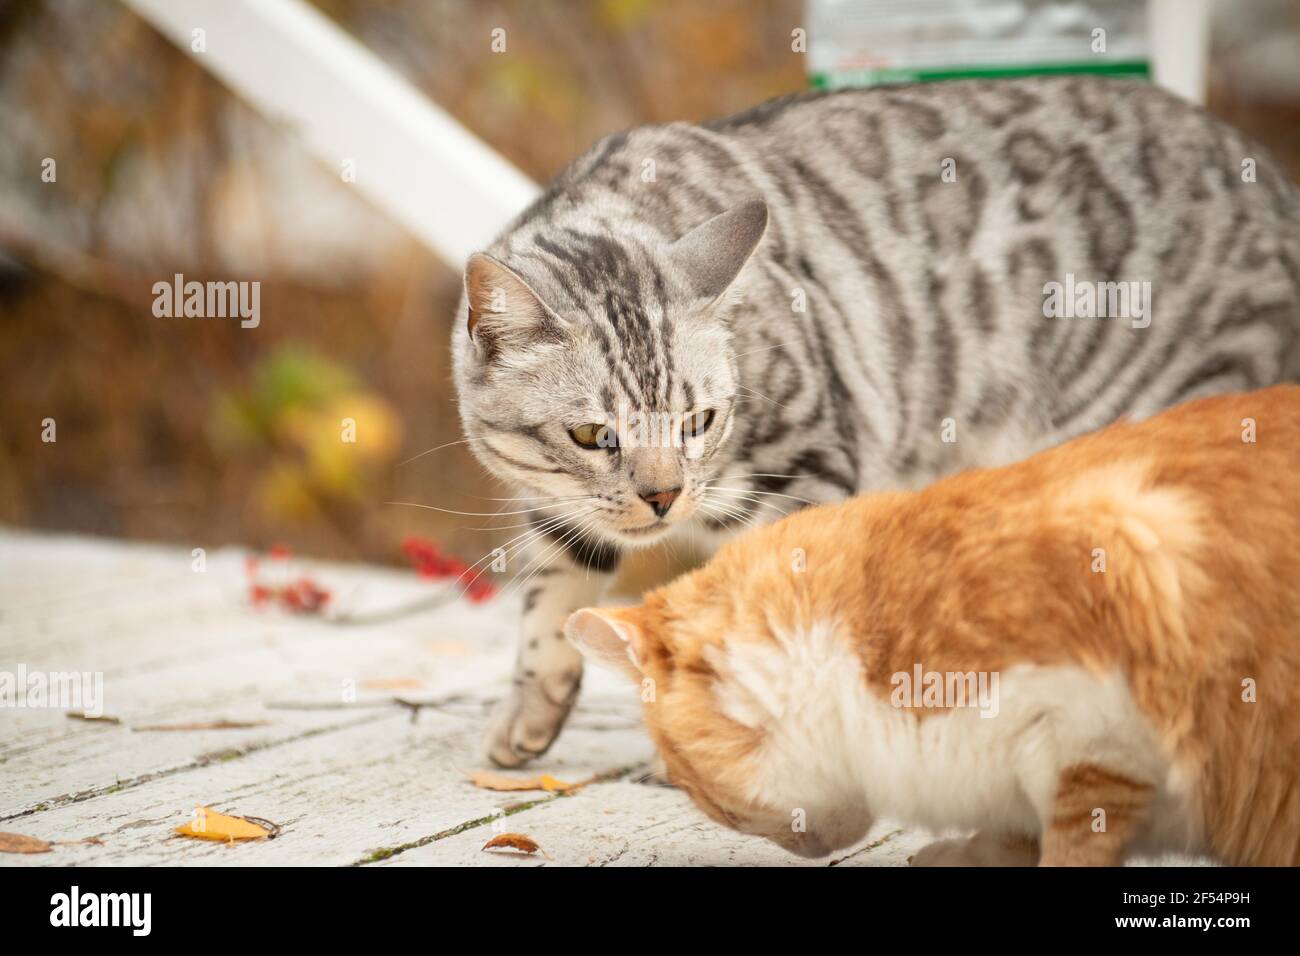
369, 782
364, 783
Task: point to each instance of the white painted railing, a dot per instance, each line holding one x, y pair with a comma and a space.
411, 159
1180, 45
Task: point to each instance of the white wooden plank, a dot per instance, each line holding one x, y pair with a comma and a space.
625, 823
185, 648
341, 797
178, 646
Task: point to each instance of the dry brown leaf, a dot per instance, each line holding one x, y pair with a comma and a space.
391, 683
206, 725
100, 718
210, 825
488, 780
18, 843
512, 841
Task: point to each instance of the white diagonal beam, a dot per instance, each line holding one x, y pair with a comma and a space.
1179, 32
413, 160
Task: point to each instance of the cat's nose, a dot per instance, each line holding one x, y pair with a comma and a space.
661, 501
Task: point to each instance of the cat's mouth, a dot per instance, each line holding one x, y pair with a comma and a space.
642, 534
649, 531
641, 529
654, 527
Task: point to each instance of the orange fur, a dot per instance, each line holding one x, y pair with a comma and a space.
992, 570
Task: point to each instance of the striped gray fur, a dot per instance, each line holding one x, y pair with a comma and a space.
924, 316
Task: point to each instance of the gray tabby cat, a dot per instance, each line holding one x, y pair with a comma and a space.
833, 293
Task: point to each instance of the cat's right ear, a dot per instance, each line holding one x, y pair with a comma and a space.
608, 636
502, 306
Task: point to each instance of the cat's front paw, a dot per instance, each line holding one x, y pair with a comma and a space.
527, 720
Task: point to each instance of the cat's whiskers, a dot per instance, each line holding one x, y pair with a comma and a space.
462, 441
536, 498
768, 348
734, 496
731, 522
542, 560
757, 474
752, 513
468, 514
759, 394
757, 491
516, 549
735, 502
718, 510
518, 541
525, 524
672, 548
521, 541
584, 531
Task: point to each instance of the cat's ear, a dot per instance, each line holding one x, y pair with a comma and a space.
609, 636
502, 306
712, 254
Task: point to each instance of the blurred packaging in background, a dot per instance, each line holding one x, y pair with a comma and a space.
123, 162
905, 41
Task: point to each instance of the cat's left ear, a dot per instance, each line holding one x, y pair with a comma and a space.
503, 308
611, 637
712, 254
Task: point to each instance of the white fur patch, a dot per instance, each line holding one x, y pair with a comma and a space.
832, 743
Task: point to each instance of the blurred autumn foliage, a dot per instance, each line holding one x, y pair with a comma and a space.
305, 415
200, 432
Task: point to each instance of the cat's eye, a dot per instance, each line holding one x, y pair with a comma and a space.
697, 424
594, 435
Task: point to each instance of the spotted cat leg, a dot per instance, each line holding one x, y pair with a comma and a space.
548, 669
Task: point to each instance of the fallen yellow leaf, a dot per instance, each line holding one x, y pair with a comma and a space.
19, 843
210, 825
487, 780
512, 841
391, 683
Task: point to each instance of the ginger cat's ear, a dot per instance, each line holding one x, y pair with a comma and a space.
610, 637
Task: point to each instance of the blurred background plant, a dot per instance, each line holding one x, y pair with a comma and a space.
200, 432
325, 442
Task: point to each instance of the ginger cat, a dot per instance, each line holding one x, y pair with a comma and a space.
1091, 653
